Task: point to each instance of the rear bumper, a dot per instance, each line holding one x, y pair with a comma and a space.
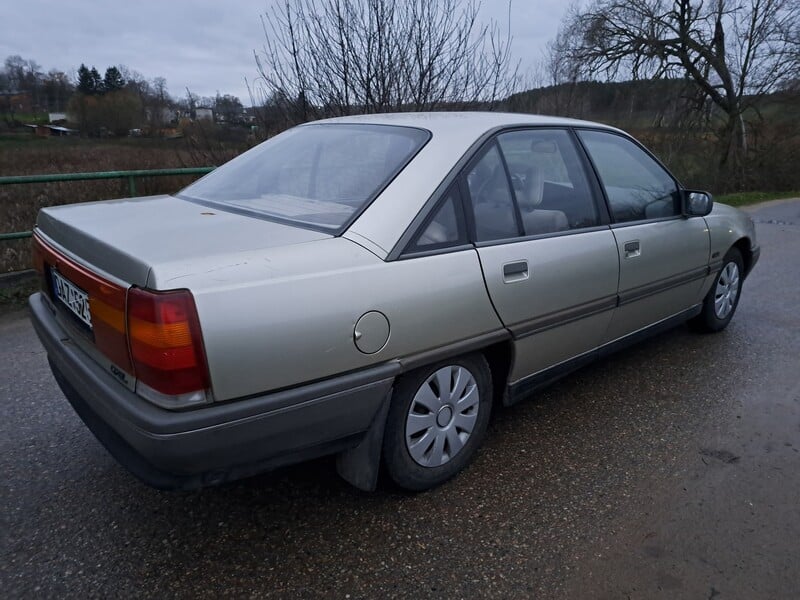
217, 443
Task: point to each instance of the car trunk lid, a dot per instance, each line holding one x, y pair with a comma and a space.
126, 238
92, 258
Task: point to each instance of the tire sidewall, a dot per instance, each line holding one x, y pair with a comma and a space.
712, 321
401, 467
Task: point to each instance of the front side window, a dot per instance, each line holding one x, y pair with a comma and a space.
549, 181
317, 175
637, 187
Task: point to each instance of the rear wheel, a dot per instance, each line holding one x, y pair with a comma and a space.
437, 421
722, 299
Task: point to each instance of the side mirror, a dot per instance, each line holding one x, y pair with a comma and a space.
697, 204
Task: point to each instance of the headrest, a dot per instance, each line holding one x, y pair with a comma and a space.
533, 190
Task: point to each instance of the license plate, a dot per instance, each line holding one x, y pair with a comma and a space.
73, 297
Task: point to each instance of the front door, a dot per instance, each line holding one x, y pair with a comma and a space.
663, 256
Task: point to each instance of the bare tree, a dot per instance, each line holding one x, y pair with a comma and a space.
734, 51
23, 76
337, 57
57, 90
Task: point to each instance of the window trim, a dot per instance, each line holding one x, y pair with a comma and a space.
454, 193
332, 231
613, 222
467, 196
400, 247
623, 224
510, 182
595, 185
457, 175
435, 252
595, 188
541, 236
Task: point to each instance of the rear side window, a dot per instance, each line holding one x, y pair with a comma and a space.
491, 198
317, 175
637, 187
445, 229
549, 181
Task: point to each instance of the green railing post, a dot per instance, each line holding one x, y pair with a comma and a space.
18, 235
19, 179
129, 175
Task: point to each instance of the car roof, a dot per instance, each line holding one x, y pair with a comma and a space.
469, 122
454, 135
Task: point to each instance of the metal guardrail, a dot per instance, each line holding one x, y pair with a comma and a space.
129, 175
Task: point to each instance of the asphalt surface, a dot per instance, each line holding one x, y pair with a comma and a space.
671, 470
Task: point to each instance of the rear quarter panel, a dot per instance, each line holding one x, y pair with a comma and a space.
286, 316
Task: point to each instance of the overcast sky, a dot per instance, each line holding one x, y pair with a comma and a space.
205, 45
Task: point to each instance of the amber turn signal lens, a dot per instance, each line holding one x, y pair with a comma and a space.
165, 341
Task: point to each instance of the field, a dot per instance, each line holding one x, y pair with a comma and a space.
745, 198
28, 155
25, 154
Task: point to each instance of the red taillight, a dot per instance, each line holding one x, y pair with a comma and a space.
154, 336
165, 341
106, 301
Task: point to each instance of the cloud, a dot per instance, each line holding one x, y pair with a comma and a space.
204, 45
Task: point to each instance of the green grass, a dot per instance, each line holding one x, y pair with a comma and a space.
20, 117
745, 198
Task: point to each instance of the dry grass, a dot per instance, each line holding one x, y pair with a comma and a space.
691, 155
19, 204
14, 296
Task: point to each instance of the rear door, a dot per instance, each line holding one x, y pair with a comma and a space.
548, 256
663, 256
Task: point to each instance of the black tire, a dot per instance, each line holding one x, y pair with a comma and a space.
709, 321
402, 468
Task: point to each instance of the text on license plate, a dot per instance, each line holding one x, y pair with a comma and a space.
72, 297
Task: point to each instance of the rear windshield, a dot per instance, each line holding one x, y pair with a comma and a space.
315, 175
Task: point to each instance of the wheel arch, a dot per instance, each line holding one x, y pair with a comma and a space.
360, 465
500, 357
743, 245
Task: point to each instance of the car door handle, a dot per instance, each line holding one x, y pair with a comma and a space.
515, 271
632, 249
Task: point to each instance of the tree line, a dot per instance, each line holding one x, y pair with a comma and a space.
721, 62
49, 91
119, 100
731, 54
721, 58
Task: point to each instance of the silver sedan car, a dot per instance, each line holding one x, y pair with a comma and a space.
371, 287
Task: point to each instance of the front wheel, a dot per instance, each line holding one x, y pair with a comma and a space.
722, 299
437, 421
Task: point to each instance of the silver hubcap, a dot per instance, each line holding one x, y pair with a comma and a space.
442, 416
727, 290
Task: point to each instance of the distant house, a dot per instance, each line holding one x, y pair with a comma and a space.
16, 101
203, 113
57, 117
163, 115
250, 114
48, 130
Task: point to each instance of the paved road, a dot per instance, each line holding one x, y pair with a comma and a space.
670, 470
